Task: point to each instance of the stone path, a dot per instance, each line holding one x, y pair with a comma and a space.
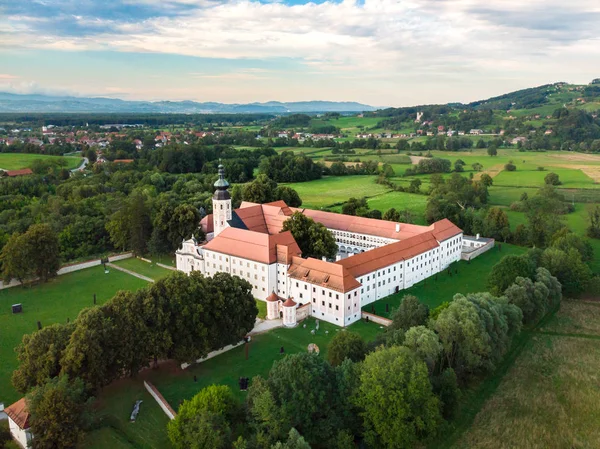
132, 273
262, 326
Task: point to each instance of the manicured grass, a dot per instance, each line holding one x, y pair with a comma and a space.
264, 349
332, 190
471, 278
534, 178
548, 400
114, 405
262, 309
53, 302
150, 270
400, 201
16, 161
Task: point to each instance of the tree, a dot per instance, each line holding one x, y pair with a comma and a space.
554, 288
39, 356
288, 195
261, 190
425, 343
464, 338
486, 180
399, 407
510, 166
15, 259
445, 387
59, 413
568, 268
346, 345
552, 179
492, 150
391, 215
305, 396
44, 250
593, 229
411, 312
504, 273
140, 227
314, 239
415, 186
204, 422
477, 166
496, 224
565, 240
353, 205
294, 441
459, 165
531, 298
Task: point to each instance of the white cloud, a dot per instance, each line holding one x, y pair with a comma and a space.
394, 41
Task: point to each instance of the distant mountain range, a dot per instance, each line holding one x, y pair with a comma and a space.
47, 103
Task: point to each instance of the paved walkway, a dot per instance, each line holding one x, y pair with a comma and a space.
262, 326
132, 273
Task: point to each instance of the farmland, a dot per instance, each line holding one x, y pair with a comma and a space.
16, 161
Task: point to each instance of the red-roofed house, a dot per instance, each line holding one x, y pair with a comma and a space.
376, 258
18, 423
15, 173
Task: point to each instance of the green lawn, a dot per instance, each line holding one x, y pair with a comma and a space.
534, 178
59, 299
333, 190
115, 404
264, 349
16, 161
150, 270
471, 278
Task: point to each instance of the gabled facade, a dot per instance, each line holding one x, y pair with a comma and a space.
376, 258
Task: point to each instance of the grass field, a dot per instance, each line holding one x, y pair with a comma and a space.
550, 397
54, 302
114, 405
150, 270
264, 349
471, 278
333, 190
16, 161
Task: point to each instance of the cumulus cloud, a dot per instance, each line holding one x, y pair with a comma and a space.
368, 40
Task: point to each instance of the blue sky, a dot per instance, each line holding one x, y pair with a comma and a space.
380, 52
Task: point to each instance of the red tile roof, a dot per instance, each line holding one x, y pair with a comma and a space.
18, 413
387, 255
266, 218
273, 297
207, 224
322, 273
444, 229
22, 172
289, 303
252, 245
362, 225
123, 161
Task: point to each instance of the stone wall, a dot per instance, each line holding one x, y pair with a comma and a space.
162, 402
376, 318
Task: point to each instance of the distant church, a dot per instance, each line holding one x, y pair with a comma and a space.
376, 258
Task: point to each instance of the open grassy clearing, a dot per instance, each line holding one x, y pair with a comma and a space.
332, 190
16, 161
471, 278
576, 317
150, 270
177, 385
53, 302
535, 178
549, 399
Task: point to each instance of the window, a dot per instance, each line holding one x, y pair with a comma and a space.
330, 294
314, 300
330, 305
337, 307
296, 284
323, 303
355, 293
300, 295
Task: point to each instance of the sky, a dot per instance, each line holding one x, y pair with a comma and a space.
378, 52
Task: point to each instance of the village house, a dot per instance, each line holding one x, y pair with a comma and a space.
375, 258
16, 173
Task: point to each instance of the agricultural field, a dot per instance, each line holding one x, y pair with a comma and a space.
333, 190
60, 299
16, 161
549, 398
462, 277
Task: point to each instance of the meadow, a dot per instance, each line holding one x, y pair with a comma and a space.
549, 397
60, 299
16, 161
147, 269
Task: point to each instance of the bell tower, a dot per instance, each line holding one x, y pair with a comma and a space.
221, 203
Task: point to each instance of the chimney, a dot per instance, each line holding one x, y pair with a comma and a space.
338, 257
477, 237
397, 227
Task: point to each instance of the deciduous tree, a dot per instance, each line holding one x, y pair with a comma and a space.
314, 239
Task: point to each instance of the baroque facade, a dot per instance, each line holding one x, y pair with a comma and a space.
376, 258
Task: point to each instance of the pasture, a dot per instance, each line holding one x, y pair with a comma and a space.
60, 299
16, 161
549, 398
